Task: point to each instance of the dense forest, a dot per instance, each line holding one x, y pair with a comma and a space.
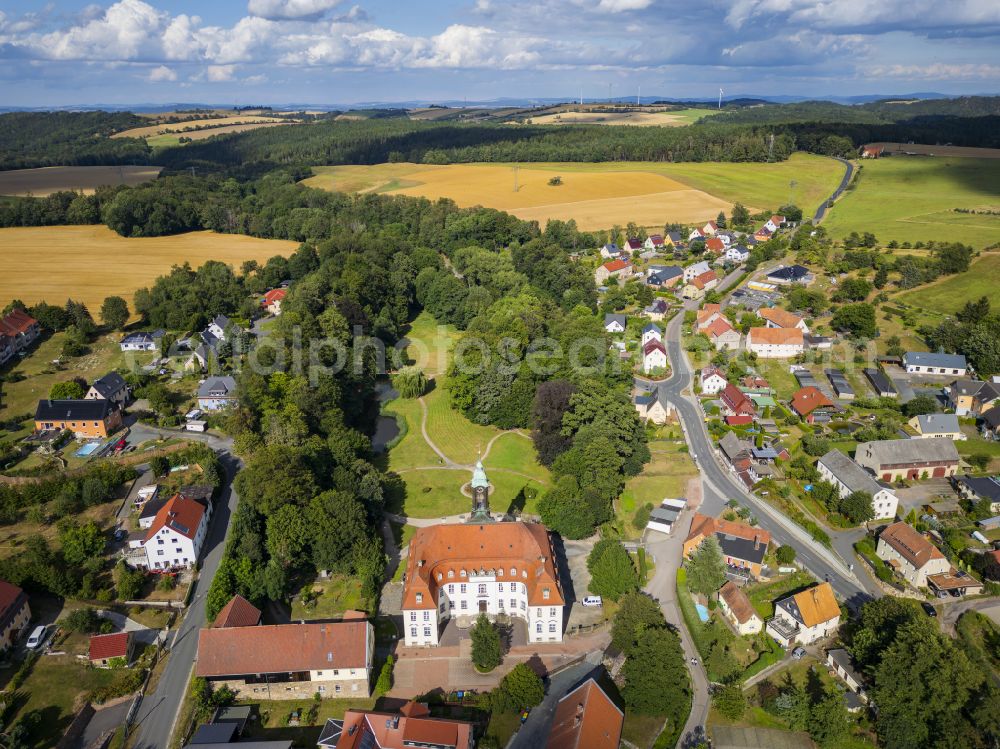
33, 139
872, 113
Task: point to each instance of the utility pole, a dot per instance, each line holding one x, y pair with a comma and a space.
515, 177
770, 147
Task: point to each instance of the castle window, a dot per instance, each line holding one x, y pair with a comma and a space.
513, 571
420, 597
513, 603
451, 588
482, 589
462, 573
451, 574
461, 588
552, 626
545, 593
413, 616
538, 627
500, 587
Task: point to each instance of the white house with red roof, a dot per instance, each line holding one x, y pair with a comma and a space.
653, 242
273, 299
174, 538
654, 356
710, 229
632, 245
713, 381
612, 269
774, 223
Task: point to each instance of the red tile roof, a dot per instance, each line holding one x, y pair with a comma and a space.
239, 612
10, 596
586, 718
736, 400
704, 279
412, 727
438, 550
275, 295
706, 313
913, 547
703, 526
613, 266
808, 399
718, 327
737, 602
109, 646
740, 420
716, 245
280, 648
777, 336
651, 346
179, 514
780, 317
16, 322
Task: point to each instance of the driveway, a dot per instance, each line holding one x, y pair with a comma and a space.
535, 731
123, 624
844, 182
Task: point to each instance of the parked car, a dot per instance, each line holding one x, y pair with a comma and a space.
798, 653
37, 637
928, 609
592, 601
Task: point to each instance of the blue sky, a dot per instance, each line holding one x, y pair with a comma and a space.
71, 52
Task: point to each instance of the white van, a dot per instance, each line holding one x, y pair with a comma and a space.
592, 601
37, 637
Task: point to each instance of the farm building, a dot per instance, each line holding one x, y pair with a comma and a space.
908, 459
849, 477
922, 362
880, 383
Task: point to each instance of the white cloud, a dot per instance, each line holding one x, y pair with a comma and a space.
284, 9
938, 71
866, 16
125, 31
161, 73
618, 6
220, 73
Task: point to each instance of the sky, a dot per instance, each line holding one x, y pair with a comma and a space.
335, 52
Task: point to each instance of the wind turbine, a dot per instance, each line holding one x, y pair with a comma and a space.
638, 97
720, 98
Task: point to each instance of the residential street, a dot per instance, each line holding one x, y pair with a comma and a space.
158, 711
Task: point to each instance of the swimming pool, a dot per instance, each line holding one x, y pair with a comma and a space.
87, 449
702, 612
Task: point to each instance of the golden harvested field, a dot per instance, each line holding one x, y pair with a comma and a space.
89, 263
50, 179
647, 119
600, 195
928, 150
211, 126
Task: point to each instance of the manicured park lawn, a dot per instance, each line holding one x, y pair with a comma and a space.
516, 452
455, 435
438, 492
912, 199
430, 344
950, 293
412, 450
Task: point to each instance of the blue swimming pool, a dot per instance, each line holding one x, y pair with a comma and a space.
702, 612
87, 449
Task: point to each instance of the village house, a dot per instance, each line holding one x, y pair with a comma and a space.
289, 661
776, 317
989, 423
735, 402
737, 254
775, 343
841, 663
458, 571
108, 651
657, 310
611, 251
923, 362
6, 349
715, 245
174, 538
712, 381
651, 332
15, 614
908, 459
586, 718
112, 387
239, 612
654, 357
737, 608
987, 397
20, 328
653, 406
632, 245
962, 395
872, 152
615, 323
708, 314
930, 426
809, 402
142, 341
412, 726
910, 555
84, 418
612, 269
848, 477
217, 393
774, 223
763, 234
273, 299
743, 546
979, 489
664, 276
653, 242
710, 229
696, 269
789, 274
698, 285
805, 617
722, 335
673, 239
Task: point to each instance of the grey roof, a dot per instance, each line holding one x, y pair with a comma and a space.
96, 409
652, 326
986, 487
665, 514
222, 321
217, 387
657, 305
153, 506
330, 735
140, 337
937, 423
989, 392
966, 387
805, 378
610, 318
789, 273
748, 549
880, 381
110, 384
896, 452
214, 733
991, 417
732, 446
849, 473
930, 359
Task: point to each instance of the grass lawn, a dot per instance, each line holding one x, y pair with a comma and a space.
12, 536
763, 596
641, 730
976, 445
273, 724
516, 452
336, 595
19, 399
950, 293
455, 435
56, 689
411, 451
503, 726
912, 199
775, 371
438, 492
430, 344
666, 475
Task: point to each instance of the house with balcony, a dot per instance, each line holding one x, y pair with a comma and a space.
805, 617
910, 555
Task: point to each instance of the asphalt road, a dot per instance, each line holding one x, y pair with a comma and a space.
155, 718
821, 211
720, 485
535, 730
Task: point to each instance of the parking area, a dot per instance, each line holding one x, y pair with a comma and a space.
922, 493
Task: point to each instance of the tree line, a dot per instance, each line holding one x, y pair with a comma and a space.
34, 139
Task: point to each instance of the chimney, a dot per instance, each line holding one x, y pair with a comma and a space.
756, 542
